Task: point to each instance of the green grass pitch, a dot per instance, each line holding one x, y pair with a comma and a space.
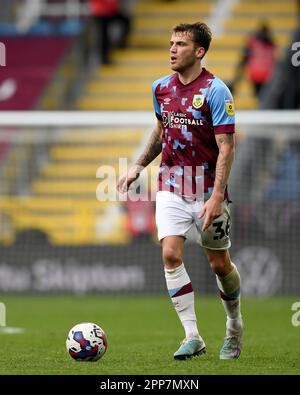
143, 333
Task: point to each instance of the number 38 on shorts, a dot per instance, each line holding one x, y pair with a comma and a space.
175, 217
217, 235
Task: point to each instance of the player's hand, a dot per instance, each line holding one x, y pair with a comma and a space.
211, 210
128, 178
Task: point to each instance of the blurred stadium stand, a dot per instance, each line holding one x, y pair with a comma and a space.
51, 186
52, 226
21, 88
135, 68
283, 92
47, 36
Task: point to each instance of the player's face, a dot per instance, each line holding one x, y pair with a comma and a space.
183, 52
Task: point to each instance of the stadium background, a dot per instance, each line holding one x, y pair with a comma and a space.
64, 115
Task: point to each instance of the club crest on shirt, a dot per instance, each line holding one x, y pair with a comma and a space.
198, 101
229, 107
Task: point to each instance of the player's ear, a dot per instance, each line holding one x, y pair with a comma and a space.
200, 52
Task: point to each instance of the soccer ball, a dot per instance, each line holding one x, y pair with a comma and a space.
86, 342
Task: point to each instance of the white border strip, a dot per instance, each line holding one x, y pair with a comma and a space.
137, 118
76, 118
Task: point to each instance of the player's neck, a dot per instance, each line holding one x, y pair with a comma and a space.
189, 75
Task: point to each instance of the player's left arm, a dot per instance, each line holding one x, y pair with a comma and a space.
226, 144
222, 110
213, 207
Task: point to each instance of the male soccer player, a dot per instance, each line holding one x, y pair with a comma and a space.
195, 129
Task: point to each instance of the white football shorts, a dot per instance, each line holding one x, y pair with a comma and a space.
176, 216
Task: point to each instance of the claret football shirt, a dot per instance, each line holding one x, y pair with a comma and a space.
191, 115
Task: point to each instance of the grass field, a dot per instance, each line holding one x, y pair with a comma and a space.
143, 332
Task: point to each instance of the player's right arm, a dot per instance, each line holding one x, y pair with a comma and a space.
152, 150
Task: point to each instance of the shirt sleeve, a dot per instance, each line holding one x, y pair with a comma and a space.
155, 102
221, 107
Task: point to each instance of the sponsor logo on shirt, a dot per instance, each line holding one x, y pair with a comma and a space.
178, 120
229, 107
198, 101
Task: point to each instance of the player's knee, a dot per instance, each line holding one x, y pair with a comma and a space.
171, 257
218, 268
220, 265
